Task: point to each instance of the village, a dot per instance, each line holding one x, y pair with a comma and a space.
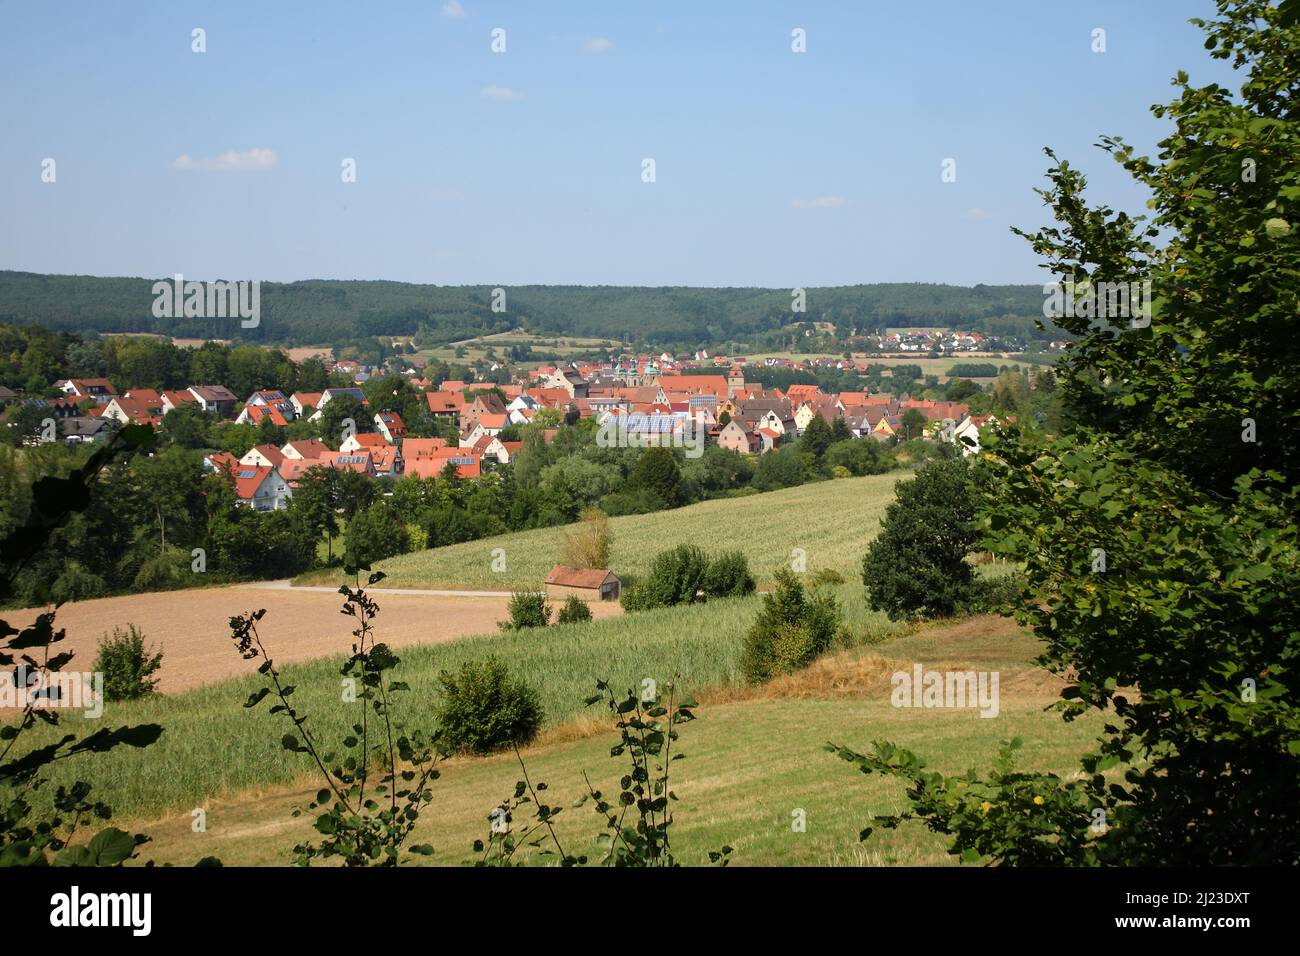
647, 400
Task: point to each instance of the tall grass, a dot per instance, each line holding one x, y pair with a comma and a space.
212, 745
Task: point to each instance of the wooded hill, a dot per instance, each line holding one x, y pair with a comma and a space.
320, 311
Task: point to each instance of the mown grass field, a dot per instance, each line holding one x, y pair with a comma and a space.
754, 761
832, 521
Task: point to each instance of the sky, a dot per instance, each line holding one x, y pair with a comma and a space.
771, 167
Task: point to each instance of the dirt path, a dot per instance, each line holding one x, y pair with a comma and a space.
301, 623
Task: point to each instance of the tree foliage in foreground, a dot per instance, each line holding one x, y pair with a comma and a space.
1160, 538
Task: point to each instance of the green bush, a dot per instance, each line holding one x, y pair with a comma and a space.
163, 571
826, 576
574, 611
996, 595
675, 577
127, 665
76, 583
791, 630
483, 709
859, 456
916, 567
728, 575
527, 609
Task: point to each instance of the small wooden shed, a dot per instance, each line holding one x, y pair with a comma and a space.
589, 584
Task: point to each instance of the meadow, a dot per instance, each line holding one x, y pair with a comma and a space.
831, 521
755, 776
212, 746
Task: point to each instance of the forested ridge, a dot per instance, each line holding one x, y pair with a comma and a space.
324, 311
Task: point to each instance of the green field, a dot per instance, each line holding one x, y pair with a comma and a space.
212, 745
832, 521
476, 348
753, 761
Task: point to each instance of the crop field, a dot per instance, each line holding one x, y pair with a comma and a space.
831, 521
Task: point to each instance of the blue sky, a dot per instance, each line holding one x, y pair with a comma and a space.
772, 168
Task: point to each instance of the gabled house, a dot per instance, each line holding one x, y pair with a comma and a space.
267, 404
413, 449
391, 426
362, 441
99, 390
216, 399
468, 464
142, 406
445, 404
358, 461
487, 425
262, 456
304, 448
83, 429
220, 461
734, 436
261, 488
330, 394
173, 399
301, 401
292, 469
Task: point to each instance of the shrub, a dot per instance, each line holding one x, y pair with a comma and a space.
575, 611
728, 576
162, 572
826, 576
917, 567
76, 584
675, 577
527, 609
791, 630
417, 538
859, 456
588, 545
996, 595
483, 708
127, 665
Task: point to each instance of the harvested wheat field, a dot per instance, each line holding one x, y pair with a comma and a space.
301, 623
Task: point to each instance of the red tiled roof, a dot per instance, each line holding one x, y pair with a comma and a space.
248, 478
416, 448
568, 577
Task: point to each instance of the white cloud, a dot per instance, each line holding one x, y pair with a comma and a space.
500, 93
231, 161
453, 9
977, 213
598, 45
821, 202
